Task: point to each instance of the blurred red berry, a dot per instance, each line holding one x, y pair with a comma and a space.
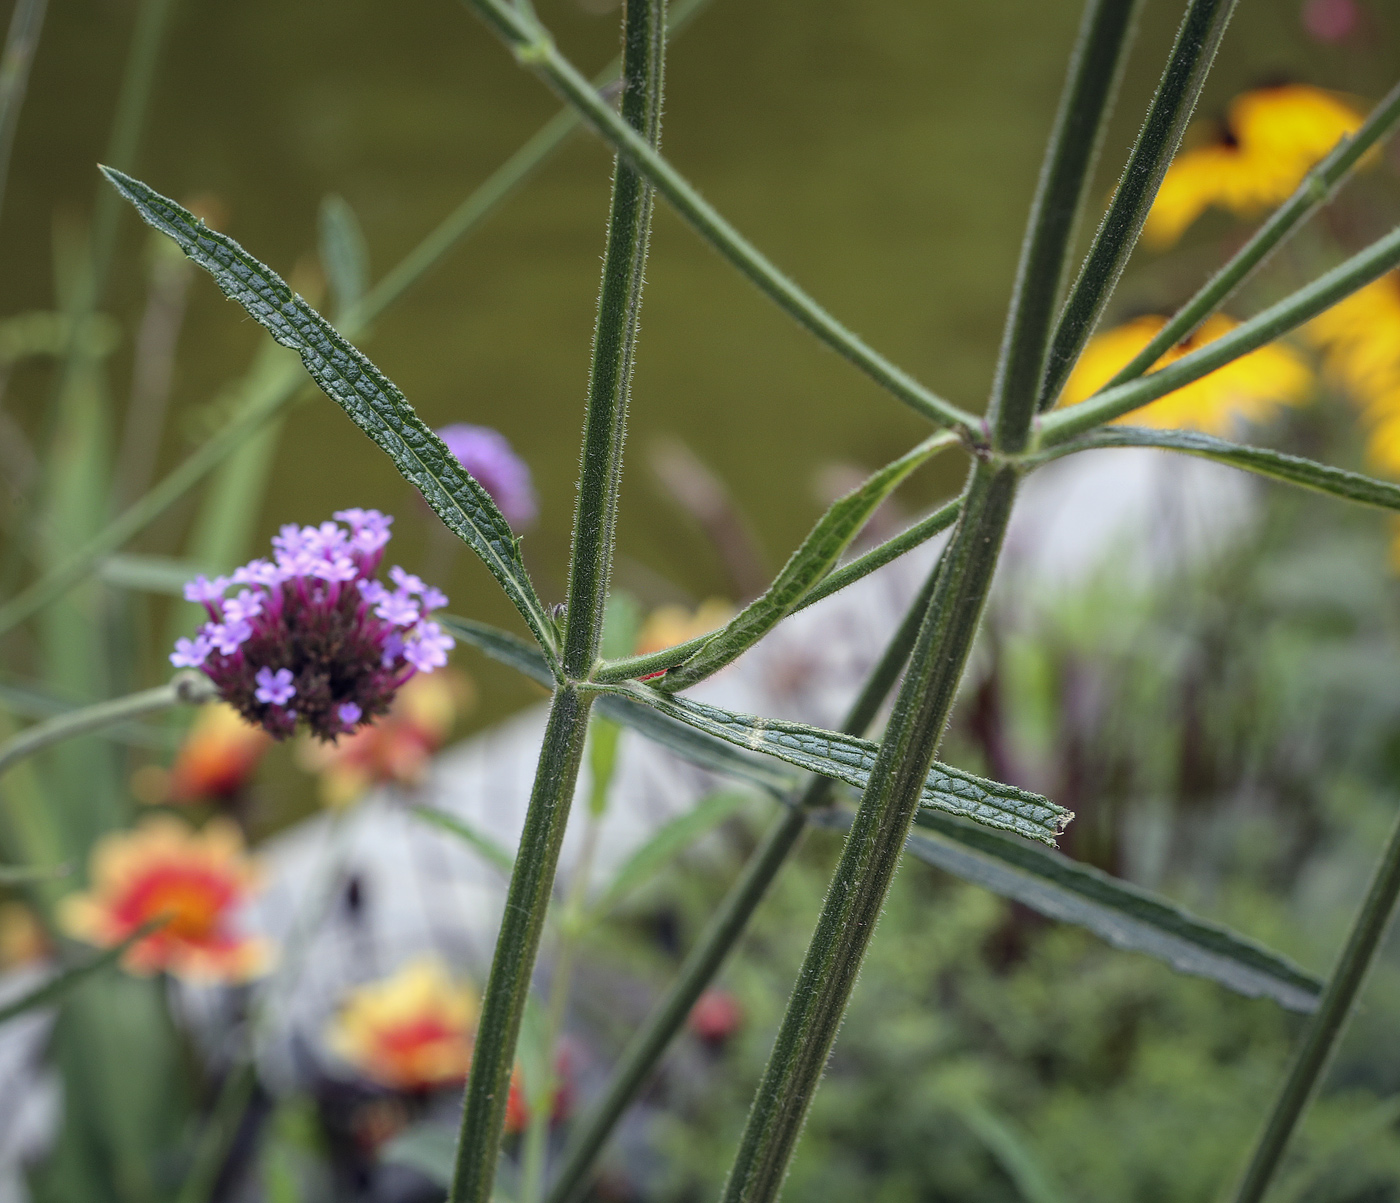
716, 1016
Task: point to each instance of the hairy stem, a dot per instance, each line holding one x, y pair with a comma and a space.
1326, 1024
189, 688
1095, 70
503, 1005
646, 1048
1316, 190
534, 48
876, 840
1175, 100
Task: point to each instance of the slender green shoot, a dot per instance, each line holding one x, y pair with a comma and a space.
21, 41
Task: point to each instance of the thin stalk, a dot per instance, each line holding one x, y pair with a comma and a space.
187, 689
1326, 1024
217, 1133
640, 1058
1317, 188
534, 47
1095, 71
1175, 100
21, 42
605, 424
876, 841
279, 388
1277, 320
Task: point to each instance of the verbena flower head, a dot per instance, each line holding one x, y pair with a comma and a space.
488, 456
195, 881
312, 635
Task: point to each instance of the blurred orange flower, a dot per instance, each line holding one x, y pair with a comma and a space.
218, 756
194, 880
396, 747
1251, 389
1273, 137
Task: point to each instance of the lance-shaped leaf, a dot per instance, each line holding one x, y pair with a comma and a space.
1125, 915
699, 658
704, 751
62, 983
479, 841
1292, 469
848, 759
347, 376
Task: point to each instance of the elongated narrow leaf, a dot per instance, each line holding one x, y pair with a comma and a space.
347, 376
849, 759
1125, 915
668, 842
704, 751
18, 875
149, 574
501, 645
1292, 469
344, 254
809, 563
56, 988
428, 1147
1010, 1148
468, 834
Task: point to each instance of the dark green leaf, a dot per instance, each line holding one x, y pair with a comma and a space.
849, 759
1292, 469
67, 979
1125, 915
347, 376
429, 1148
501, 645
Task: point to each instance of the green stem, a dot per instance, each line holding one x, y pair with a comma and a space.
189, 688
1175, 100
876, 841
619, 301
22, 40
534, 47
1326, 1024
217, 1133
1277, 320
1095, 71
1316, 190
278, 389
645, 1050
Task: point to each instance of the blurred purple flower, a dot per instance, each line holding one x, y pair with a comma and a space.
316, 625
1331, 20
487, 455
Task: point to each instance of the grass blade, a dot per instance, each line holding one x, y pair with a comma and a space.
849, 759
467, 833
1291, 469
348, 377
344, 255
66, 980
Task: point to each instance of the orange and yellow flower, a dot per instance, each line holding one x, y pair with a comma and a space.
1273, 137
667, 626
414, 1031
193, 881
396, 747
218, 756
1250, 389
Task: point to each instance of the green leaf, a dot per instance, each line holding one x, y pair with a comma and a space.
61, 984
18, 875
849, 759
344, 254
812, 561
1127, 916
604, 735
1291, 469
1010, 1149
149, 574
347, 376
429, 1148
468, 834
668, 842
500, 645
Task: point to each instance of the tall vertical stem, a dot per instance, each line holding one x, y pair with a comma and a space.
876, 840
1326, 1024
22, 40
619, 301
727, 924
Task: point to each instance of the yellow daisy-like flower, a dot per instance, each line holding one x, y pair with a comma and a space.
410, 1031
1360, 343
1249, 389
193, 880
1273, 137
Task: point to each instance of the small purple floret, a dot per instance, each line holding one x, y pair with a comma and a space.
487, 455
314, 624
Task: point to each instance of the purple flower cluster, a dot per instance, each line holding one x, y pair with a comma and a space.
487, 455
313, 634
